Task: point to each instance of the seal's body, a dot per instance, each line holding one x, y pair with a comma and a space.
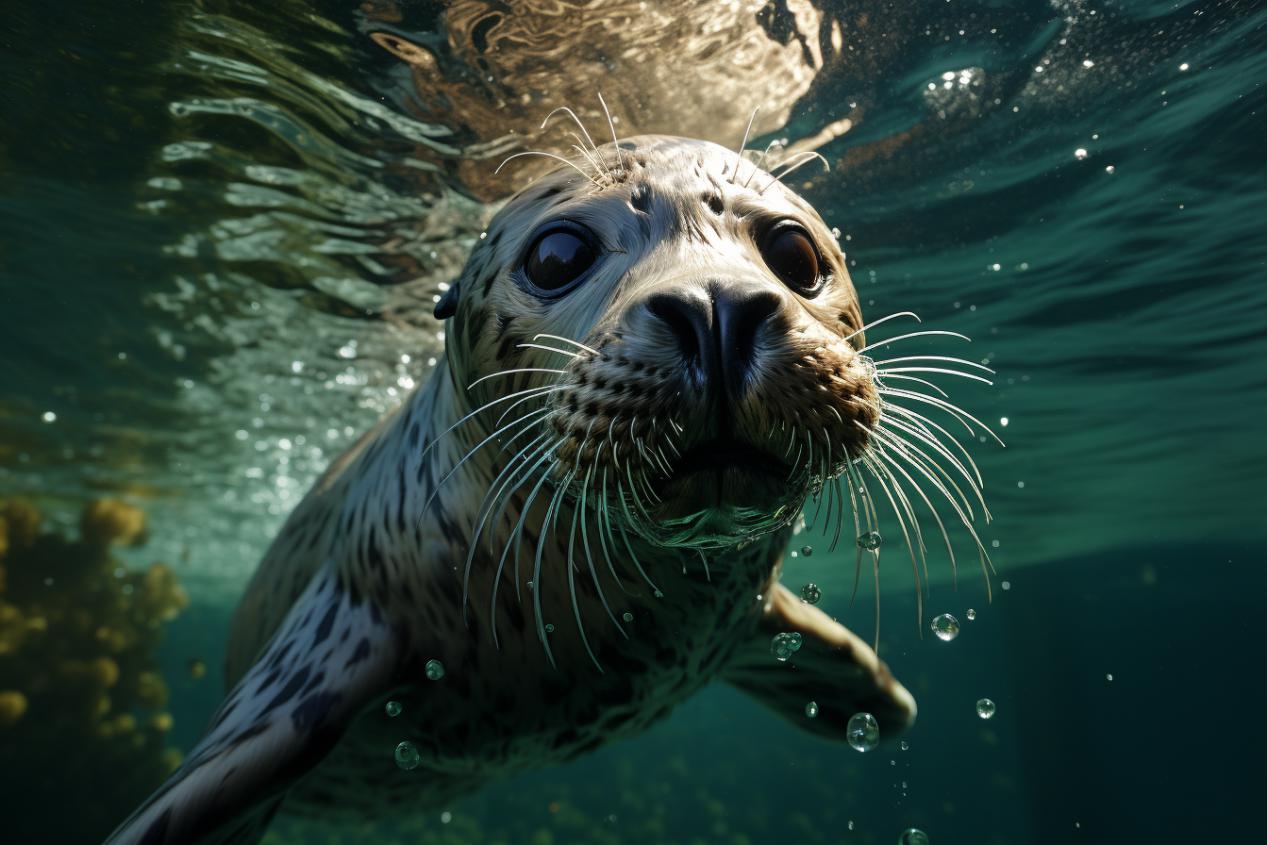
652, 361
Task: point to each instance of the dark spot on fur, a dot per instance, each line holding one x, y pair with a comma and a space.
640, 199
327, 623
292, 688
362, 652
508, 342
715, 204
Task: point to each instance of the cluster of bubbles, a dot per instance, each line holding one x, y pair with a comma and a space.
784, 645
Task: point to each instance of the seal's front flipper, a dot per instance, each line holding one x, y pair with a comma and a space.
331, 655
833, 668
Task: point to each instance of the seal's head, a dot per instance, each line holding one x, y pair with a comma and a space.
685, 333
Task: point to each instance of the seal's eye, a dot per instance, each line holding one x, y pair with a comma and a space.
790, 253
558, 258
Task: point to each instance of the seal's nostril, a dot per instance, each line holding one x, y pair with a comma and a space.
687, 320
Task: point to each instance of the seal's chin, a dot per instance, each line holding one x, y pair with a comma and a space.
724, 491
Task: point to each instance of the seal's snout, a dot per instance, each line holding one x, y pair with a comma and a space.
717, 331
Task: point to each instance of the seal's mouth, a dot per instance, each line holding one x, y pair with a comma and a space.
724, 454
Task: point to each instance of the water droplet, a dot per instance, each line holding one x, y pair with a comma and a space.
407, 756
863, 732
48, 417
811, 709
806, 551
434, 669
985, 708
393, 708
971, 614
1184, 66
946, 627
913, 836
870, 541
810, 594
904, 745
549, 627
784, 645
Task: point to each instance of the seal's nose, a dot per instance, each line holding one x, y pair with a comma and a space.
717, 336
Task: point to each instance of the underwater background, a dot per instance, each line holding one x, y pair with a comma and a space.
223, 226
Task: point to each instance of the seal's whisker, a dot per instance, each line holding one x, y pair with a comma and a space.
562, 339
557, 158
921, 433
743, 143
938, 370
576, 607
756, 168
551, 519
491, 497
611, 124
950, 550
910, 335
871, 325
708, 575
532, 390
941, 471
916, 379
521, 420
923, 468
576, 120
949, 407
545, 391
606, 538
926, 425
589, 556
547, 349
512, 372
515, 536
624, 537
873, 523
788, 167
946, 358
883, 479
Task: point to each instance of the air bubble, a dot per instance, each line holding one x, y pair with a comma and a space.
627, 616
407, 756
811, 709
870, 541
784, 645
810, 594
945, 626
393, 708
985, 708
971, 614
434, 670
913, 836
863, 732
806, 551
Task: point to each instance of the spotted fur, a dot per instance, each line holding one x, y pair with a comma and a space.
374, 574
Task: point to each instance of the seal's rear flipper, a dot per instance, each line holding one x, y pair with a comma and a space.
330, 656
833, 668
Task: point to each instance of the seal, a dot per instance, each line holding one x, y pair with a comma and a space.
654, 362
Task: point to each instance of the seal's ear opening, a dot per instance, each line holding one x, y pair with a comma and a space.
448, 304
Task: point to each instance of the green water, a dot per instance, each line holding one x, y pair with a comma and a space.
222, 226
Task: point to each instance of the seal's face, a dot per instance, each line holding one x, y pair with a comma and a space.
687, 336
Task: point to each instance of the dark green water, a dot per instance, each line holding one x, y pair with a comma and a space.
222, 225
